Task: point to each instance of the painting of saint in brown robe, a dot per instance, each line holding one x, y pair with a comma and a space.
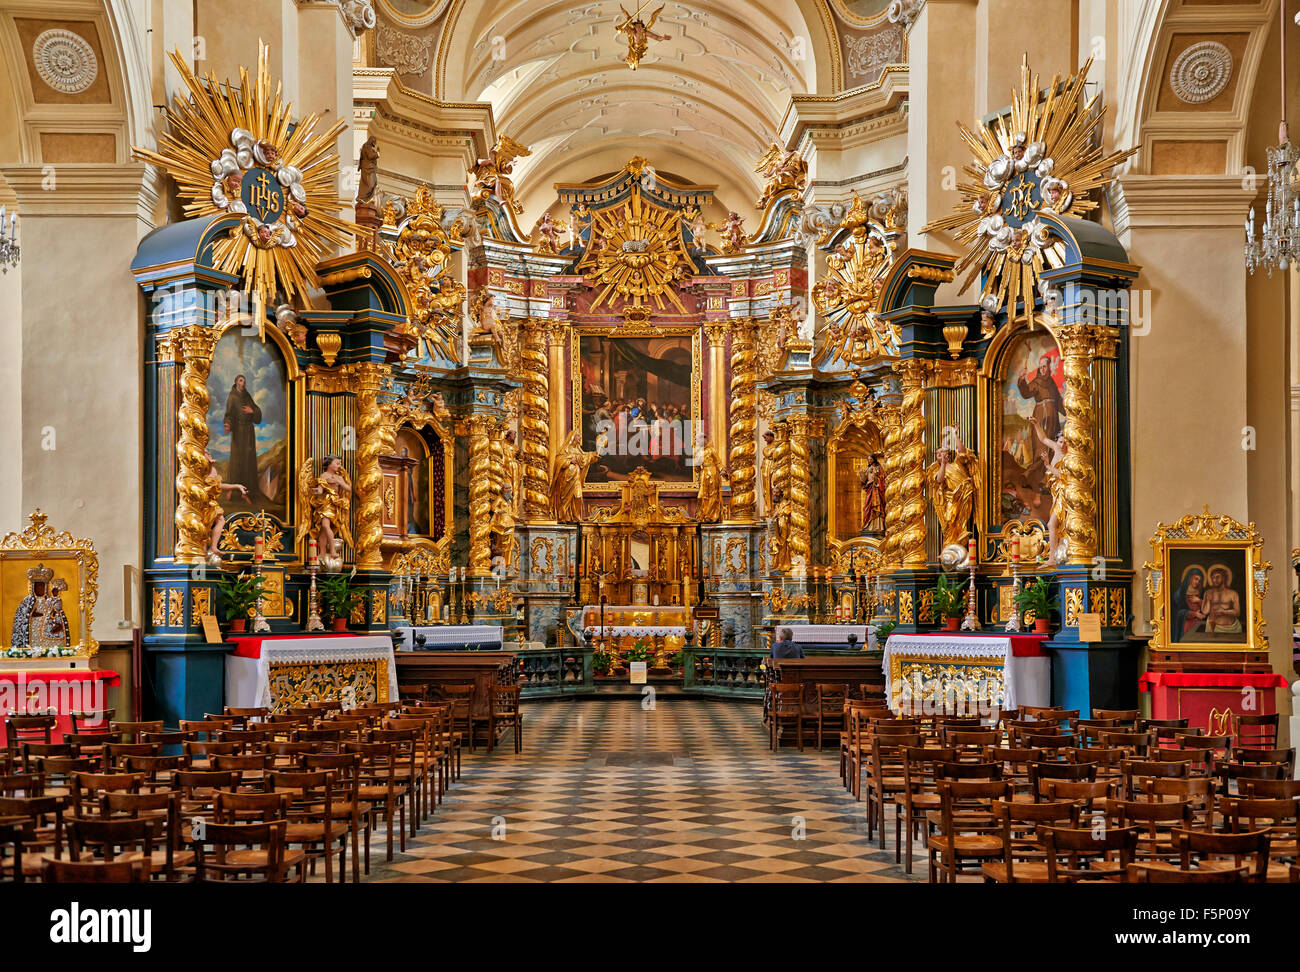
242, 417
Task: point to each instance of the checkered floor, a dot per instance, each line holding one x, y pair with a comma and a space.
608, 791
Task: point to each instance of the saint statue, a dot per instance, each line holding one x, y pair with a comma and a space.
710, 494
326, 503
513, 485
571, 467
1056, 449
954, 480
242, 414
638, 34
368, 166
214, 517
769, 471
39, 620
778, 531
502, 526
873, 502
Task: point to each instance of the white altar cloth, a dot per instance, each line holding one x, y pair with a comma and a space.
1026, 679
450, 634
248, 682
833, 634
636, 630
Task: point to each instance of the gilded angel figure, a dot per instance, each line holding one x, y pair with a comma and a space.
326, 504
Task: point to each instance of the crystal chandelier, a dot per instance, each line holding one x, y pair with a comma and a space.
8, 241
1278, 244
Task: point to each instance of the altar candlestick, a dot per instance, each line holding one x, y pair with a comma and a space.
257, 548
311, 553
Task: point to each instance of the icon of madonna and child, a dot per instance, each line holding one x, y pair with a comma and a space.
1209, 602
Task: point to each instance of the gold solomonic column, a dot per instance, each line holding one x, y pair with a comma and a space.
196, 343
802, 429
888, 414
538, 424
480, 494
1079, 518
375, 437
744, 423
779, 456
913, 373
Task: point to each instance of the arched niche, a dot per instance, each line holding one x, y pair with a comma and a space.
849, 450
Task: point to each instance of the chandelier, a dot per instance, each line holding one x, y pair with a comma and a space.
1278, 245
9, 252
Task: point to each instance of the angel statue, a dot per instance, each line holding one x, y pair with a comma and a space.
327, 502
638, 33
492, 175
549, 231
571, 467
214, 517
487, 320
1056, 483
733, 233
710, 494
784, 170
955, 480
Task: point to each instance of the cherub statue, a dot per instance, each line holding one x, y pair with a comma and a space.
326, 502
733, 233
638, 34
955, 481
784, 170
492, 175
487, 320
548, 234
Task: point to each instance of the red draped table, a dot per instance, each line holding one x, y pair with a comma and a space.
1006, 670
1208, 700
71, 690
277, 670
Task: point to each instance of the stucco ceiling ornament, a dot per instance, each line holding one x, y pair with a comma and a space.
240, 150
360, 15
406, 52
1039, 157
65, 61
1201, 73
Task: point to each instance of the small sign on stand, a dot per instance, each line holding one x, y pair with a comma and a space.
636, 673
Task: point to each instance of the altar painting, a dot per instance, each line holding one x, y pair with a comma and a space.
1032, 414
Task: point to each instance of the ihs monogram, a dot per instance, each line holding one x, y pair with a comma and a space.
1021, 193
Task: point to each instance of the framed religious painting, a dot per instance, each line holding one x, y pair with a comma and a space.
48, 584
248, 423
636, 403
1028, 413
1207, 583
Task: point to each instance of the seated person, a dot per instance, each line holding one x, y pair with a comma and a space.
786, 647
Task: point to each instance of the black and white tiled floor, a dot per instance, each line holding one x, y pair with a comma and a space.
608, 791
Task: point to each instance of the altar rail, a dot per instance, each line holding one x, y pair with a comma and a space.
727, 672
554, 672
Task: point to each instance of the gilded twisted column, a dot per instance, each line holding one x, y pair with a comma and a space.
716, 338
802, 429
374, 439
534, 424
890, 467
1079, 518
480, 493
193, 531
744, 422
911, 472
497, 457
778, 453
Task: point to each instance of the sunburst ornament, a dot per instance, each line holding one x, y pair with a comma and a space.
636, 254
849, 296
237, 150
1040, 157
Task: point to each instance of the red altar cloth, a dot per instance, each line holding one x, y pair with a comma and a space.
1208, 700
250, 646
1022, 645
63, 690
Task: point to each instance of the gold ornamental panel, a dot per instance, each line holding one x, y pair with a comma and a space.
941, 678
353, 683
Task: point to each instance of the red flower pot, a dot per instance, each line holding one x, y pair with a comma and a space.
238, 625
951, 624
1041, 626
340, 624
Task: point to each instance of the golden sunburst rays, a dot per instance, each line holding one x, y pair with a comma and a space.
1039, 157
849, 294
635, 255
236, 150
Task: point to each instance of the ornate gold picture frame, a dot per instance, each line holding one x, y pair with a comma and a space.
48, 585
1208, 583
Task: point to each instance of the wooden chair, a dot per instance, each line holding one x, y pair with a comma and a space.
1089, 846
1120, 715
115, 754
60, 771
345, 799
831, 706
1133, 769
88, 789
269, 808
1259, 757
42, 824
98, 838
405, 743
1280, 818
1217, 851
1135, 744
1149, 873
787, 711
460, 698
380, 790
253, 850
131, 730
1254, 731
21, 729
22, 784
1244, 773
241, 717
198, 788
1197, 792
95, 872
965, 831
919, 795
1082, 794
1155, 822
198, 755
884, 778
1023, 860
248, 740
312, 822
165, 808
1272, 789
504, 713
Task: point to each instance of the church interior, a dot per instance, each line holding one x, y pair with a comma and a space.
685, 441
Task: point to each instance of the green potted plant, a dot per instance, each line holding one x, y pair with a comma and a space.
639, 652
601, 660
240, 594
1035, 597
949, 602
885, 630
339, 597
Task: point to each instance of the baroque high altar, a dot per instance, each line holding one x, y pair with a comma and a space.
633, 407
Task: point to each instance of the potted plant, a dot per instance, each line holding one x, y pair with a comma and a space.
639, 652
339, 597
1035, 597
240, 594
949, 602
601, 660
